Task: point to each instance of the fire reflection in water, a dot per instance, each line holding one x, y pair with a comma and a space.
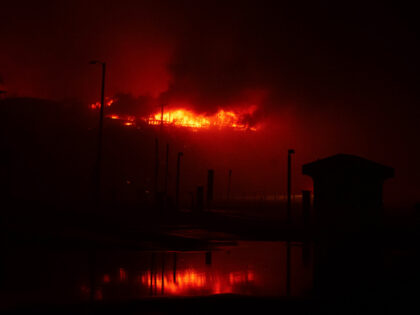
189, 282
251, 268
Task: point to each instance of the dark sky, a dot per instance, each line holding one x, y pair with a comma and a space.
346, 74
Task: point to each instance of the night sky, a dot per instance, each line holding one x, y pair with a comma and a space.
327, 78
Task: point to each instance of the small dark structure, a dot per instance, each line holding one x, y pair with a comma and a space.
306, 207
208, 258
348, 215
347, 190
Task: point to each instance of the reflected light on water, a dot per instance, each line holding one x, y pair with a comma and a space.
189, 281
106, 278
250, 268
123, 274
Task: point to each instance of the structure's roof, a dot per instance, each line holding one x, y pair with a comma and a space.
346, 164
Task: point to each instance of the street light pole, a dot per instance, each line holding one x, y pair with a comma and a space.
98, 172
178, 175
229, 183
289, 185
289, 221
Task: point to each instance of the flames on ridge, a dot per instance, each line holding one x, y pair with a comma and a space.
182, 117
187, 118
108, 103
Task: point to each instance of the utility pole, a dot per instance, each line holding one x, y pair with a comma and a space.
156, 169
98, 173
163, 274
166, 169
178, 174
210, 187
289, 220
289, 185
174, 267
161, 118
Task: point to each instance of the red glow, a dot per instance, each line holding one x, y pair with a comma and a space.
106, 278
123, 274
241, 277
98, 295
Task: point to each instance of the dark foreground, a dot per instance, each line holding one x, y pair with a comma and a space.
229, 304
47, 268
